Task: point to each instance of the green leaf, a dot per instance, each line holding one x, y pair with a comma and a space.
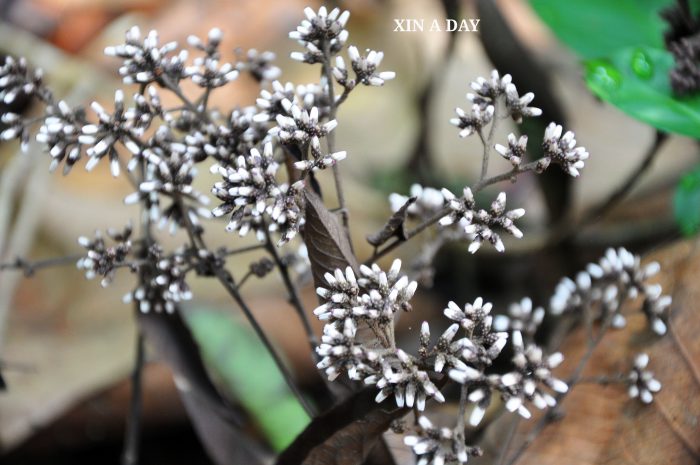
636, 81
595, 28
686, 202
241, 361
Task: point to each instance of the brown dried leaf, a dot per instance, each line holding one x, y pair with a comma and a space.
602, 425
326, 240
344, 435
395, 226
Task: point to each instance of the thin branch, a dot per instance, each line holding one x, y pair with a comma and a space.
488, 143
227, 281
509, 439
631, 181
462, 407
130, 455
228, 252
244, 279
479, 186
602, 380
29, 268
330, 137
294, 298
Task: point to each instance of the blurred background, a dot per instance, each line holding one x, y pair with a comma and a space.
68, 347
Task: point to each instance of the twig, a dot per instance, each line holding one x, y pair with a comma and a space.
631, 181
227, 281
240, 250
479, 186
488, 143
29, 268
294, 298
330, 137
462, 407
602, 380
509, 439
130, 455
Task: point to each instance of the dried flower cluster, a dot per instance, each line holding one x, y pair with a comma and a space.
641, 382
619, 275
480, 225
466, 349
102, 260
266, 157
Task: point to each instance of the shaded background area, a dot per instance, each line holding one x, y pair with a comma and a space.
69, 344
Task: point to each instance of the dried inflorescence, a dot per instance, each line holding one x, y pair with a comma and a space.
618, 276
164, 285
480, 225
265, 156
373, 297
437, 446
319, 30
250, 190
104, 260
641, 382
17, 79
522, 317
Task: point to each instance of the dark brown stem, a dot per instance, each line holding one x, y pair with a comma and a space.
29, 268
294, 298
631, 181
132, 441
229, 252
330, 137
130, 455
226, 280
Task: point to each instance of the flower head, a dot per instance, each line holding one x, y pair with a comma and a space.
641, 382
145, 59
102, 259
562, 150
260, 65
515, 152
365, 67
533, 371
518, 106
616, 276
437, 446
522, 316
428, 201
318, 28
16, 79
472, 122
478, 224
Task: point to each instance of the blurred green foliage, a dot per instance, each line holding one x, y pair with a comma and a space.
241, 362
